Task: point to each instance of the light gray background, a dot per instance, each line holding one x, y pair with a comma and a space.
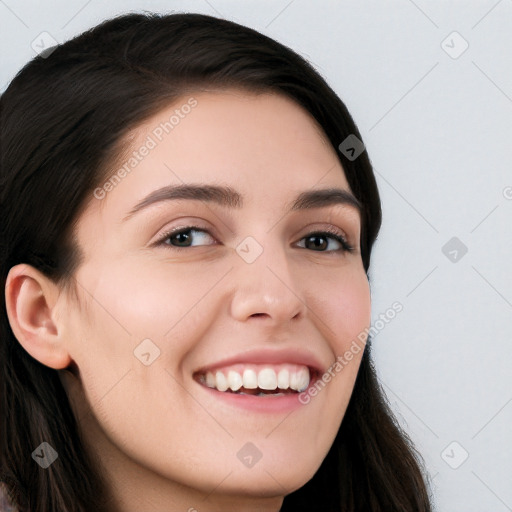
438, 130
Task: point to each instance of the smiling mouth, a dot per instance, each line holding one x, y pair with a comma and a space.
261, 380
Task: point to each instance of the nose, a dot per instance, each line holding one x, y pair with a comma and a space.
266, 288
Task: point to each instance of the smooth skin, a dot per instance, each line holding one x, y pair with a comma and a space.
167, 443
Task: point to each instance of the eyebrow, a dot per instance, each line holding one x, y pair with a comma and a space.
229, 198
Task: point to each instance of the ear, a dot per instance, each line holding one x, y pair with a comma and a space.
32, 302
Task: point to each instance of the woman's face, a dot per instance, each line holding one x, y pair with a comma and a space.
248, 298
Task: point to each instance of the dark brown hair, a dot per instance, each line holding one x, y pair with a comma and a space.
63, 119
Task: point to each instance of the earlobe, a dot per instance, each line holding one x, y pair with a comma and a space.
31, 299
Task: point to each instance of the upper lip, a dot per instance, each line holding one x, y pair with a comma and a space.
267, 356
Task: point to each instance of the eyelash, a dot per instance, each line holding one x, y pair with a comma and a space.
333, 234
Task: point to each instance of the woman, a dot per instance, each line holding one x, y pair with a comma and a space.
143, 371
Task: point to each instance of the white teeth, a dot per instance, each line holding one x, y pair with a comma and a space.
283, 379
303, 380
222, 382
234, 380
267, 379
210, 380
250, 379
294, 381
295, 377
300, 380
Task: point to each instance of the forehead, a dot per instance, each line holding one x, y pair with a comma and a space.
264, 145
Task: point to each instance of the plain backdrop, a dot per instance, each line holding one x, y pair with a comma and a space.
429, 84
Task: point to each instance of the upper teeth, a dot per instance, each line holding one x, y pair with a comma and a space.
286, 376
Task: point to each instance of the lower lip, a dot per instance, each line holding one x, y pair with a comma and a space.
268, 403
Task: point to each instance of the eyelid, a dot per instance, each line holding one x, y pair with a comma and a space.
185, 227
330, 228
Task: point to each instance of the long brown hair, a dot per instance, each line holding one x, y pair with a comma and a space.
63, 119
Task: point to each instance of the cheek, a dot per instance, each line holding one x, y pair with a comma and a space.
128, 303
140, 299
355, 305
345, 307
342, 312
121, 308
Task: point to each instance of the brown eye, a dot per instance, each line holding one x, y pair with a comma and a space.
182, 238
318, 241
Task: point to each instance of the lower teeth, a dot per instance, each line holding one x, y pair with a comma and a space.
258, 394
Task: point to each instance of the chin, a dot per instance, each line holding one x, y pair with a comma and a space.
267, 485
279, 478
